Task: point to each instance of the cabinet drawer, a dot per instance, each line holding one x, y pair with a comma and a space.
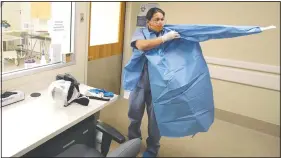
82, 133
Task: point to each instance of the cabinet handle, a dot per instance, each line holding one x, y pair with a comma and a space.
68, 144
86, 131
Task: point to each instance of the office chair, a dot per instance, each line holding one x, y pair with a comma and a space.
130, 148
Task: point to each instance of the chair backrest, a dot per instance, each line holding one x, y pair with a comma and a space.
130, 148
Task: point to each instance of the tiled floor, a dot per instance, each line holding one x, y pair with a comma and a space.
222, 140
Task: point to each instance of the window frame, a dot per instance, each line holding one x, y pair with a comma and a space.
26, 72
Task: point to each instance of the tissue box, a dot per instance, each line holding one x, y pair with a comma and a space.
19, 96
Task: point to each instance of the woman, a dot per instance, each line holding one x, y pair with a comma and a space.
141, 95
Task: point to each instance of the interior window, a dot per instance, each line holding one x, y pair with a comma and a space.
35, 34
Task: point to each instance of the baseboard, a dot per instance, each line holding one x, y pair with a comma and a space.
248, 122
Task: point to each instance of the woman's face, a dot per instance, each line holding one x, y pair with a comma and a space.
157, 22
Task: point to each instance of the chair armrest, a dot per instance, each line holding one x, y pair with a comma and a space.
110, 131
129, 149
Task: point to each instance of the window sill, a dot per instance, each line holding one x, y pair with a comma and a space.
31, 71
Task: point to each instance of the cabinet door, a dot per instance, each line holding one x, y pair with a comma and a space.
34, 6
44, 10
41, 10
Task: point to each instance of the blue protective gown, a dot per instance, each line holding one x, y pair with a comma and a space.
180, 82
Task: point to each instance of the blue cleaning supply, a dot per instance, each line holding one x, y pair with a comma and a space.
105, 93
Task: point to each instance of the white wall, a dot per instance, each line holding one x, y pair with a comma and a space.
11, 13
43, 79
18, 13
25, 12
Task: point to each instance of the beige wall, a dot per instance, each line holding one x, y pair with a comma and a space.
11, 14
105, 73
258, 103
264, 48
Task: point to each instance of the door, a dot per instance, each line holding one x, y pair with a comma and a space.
106, 37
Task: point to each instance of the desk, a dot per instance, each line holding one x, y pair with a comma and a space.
30, 123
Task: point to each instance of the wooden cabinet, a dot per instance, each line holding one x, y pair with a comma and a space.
41, 10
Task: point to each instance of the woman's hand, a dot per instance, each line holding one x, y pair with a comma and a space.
170, 36
152, 43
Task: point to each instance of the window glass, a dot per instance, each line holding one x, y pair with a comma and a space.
104, 22
35, 34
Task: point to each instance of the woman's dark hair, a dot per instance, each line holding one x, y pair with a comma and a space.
152, 11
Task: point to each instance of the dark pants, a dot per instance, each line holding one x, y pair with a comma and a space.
140, 97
